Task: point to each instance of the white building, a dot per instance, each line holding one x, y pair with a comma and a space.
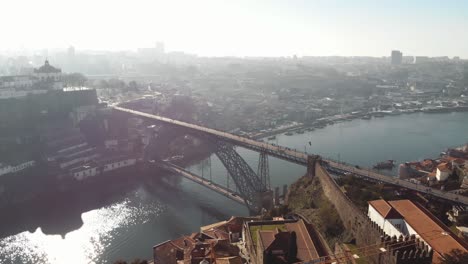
403, 217
387, 218
49, 75
97, 168
43, 79
85, 171
443, 171
19, 81
5, 169
118, 163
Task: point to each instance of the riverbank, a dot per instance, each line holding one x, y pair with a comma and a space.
336, 119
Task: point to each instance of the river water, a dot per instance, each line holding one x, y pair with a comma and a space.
125, 218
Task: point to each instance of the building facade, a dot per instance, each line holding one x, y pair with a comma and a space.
42, 79
404, 218
397, 57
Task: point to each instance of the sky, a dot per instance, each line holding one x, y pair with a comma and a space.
241, 27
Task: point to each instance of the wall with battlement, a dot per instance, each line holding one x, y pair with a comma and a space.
367, 233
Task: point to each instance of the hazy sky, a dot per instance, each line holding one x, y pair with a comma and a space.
241, 27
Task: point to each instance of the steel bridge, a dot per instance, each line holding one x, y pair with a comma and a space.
253, 188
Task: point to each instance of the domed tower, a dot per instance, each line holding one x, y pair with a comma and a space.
49, 76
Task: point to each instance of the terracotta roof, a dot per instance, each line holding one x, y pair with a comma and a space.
429, 228
267, 237
384, 209
276, 240
306, 249
444, 166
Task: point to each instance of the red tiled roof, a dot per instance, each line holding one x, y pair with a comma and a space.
384, 209
429, 228
267, 237
306, 249
444, 166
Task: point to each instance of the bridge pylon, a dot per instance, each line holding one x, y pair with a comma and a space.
252, 188
263, 170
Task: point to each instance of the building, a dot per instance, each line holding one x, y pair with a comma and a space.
404, 218
101, 166
421, 59
49, 76
282, 241
42, 79
397, 57
443, 171
5, 169
216, 243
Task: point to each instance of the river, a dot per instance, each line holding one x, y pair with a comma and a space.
127, 218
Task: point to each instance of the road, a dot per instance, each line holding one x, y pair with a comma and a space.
299, 157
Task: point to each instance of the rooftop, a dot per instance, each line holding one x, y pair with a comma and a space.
385, 209
444, 167
47, 68
277, 237
439, 237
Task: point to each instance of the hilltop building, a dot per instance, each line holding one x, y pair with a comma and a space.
49, 76
42, 80
282, 241
405, 218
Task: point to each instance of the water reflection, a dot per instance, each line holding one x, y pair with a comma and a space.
102, 222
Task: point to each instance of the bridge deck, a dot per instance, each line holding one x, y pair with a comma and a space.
301, 157
208, 184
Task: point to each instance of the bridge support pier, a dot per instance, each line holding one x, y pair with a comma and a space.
311, 162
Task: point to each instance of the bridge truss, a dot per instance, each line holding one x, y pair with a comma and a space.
250, 185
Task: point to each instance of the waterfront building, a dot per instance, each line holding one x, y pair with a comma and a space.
403, 218
101, 166
22, 165
216, 243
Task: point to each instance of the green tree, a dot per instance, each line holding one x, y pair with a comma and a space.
133, 86
462, 220
74, 79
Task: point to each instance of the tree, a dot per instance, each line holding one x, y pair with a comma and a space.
462, 220
455, 256
133, 86
292, 252
74, 79
116, 84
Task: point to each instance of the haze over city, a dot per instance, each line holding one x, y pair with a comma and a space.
241, 28
233, 132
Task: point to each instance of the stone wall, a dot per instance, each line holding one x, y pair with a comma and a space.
369, 235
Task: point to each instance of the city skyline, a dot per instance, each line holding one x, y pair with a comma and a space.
242, 28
